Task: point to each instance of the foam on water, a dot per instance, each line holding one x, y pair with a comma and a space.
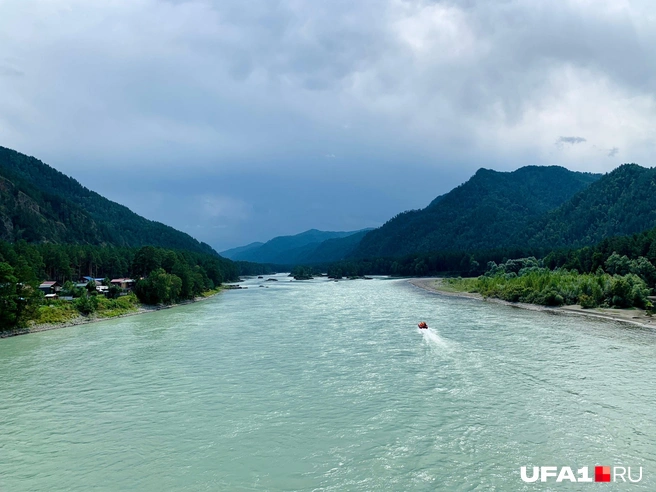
433, 338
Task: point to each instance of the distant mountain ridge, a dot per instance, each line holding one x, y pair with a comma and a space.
229, 253
533, 207
312, 246
40, 204
486, 212
332, 250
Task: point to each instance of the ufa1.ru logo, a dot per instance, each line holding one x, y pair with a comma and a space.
566, 474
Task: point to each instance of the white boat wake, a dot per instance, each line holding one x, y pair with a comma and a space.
432, 338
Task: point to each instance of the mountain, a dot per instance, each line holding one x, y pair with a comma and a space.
622, 202
230, 253
40, 204
297, 249
486, 212
27, 214
333, 249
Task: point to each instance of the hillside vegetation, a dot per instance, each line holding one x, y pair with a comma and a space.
487, 212
528, 280
332, 250
163, 276
53, 228
40, 204
311, 246
621, 202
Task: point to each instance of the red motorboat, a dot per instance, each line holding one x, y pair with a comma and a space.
422, 325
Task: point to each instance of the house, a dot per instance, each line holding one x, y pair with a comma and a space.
50, 287
101, 289
123, 283
96, 280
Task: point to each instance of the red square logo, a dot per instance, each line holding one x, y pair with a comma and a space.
602, 473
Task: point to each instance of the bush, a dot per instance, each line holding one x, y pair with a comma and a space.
56, 312
114, 291
108, 308
87, 304
539, 285
587, 302
553, 298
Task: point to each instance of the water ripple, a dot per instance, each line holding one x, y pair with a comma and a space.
324, 386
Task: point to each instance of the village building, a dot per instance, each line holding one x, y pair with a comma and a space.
96, 280
123, 283
50, 288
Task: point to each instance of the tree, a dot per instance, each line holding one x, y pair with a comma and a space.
616, 264
9, 305
19, 298
146, 260
159, 288
169, 261
87, 304
184, 273
68, 289
645, 270
114, 292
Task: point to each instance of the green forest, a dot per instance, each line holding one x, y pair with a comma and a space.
625, 283
53, 228
487, 212
618, 272
531, 209
163, 276
545, 235
40, 204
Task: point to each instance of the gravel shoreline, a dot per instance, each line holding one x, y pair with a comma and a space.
630, 316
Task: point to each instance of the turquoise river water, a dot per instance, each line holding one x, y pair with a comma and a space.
326, 386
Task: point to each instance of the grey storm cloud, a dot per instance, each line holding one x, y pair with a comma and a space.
407, 98
613, 152
571, 140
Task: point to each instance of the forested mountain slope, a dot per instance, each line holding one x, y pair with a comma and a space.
233, 252
296, 249
40, 204
333, 249
486, 212
621, 202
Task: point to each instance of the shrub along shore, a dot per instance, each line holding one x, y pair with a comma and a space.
526, 283
632, 316
62, 314
527, 280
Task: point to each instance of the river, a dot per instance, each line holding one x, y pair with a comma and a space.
320, 385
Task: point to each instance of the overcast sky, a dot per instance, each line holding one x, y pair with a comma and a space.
237, 121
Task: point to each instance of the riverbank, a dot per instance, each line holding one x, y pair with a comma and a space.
94, 318
635, 317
